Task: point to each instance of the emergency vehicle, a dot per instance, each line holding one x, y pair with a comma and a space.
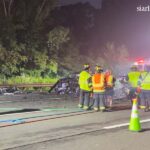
142, 64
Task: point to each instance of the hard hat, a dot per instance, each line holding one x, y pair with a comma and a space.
108, 72
98, 68
133, 67
86, 66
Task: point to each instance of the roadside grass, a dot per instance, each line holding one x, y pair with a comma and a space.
28, 80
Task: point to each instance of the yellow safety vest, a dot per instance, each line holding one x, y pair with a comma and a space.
145, 83
84, 81
98, 82
109, 81
133, 78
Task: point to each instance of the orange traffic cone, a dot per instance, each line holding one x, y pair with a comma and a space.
134, 120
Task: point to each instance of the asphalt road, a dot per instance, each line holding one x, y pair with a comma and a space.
67, 127
116, 139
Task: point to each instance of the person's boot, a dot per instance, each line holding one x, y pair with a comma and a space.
102, 109
85, 107
80, 105
96, 109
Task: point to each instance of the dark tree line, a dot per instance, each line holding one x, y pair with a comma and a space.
37, 37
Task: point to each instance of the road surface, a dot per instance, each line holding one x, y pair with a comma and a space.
55, 123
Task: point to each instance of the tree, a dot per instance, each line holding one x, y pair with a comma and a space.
79, 18
23, 41
116, 57
56, 38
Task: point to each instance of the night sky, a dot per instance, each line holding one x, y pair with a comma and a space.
131, 28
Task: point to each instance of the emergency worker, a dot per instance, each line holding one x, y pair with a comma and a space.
144, 82
132, 78
98, 84
110, 82
85, 84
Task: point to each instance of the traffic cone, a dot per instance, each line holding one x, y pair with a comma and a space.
134, 120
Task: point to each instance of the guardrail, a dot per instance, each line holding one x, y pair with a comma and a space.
26, 85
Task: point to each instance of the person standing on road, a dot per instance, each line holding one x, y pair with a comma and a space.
132, 78
144, 83
110, 82
98, 84
85, 84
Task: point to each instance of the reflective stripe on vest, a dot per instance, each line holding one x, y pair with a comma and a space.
98, 81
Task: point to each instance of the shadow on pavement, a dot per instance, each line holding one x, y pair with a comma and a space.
19, 111
145, 130
118, 108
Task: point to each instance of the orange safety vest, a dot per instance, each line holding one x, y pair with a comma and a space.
109, 80
98, 82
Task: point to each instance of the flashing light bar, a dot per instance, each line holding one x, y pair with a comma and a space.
141, 61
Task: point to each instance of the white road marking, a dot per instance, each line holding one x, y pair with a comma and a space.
146, 120
5, 102
123, 124
116, 126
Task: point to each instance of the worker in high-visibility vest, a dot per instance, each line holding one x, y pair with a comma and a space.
132, 78
85, 84
110, 82
144, 82
98, 84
